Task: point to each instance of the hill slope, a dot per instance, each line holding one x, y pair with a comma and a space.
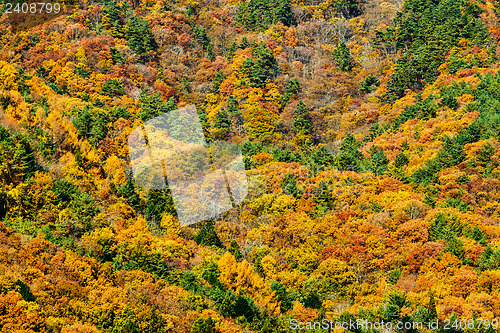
370, 133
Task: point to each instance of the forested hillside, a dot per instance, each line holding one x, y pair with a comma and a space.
370, 132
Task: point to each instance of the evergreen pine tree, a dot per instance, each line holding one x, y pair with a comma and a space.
244, 43
231, 105
127, 191
24, 290
259, 14
342, 57
281, 12
312, 301
222, 121
349, 157
286, 301
478, 236
289, 185
219, 78
112, 19
159, 202
234, 249
322, 158
378, 160
451, 154
232, 50
201, 36
259, 70
244, 306
112, 88
393, 309
207, 235
369, 84
431, 307
401, 160
425, 31
139, 37
152, 106
301, 119
83, 122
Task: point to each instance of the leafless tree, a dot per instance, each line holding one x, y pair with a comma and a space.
322, 32
302, 54
380, 12
222, 37
342, 30
299, 15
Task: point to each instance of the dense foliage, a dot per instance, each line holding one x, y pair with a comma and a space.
370, 134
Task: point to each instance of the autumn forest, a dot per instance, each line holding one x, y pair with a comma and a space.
370, 136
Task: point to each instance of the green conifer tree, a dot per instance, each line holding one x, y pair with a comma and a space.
207, 235
401, 160
378, 160
232, 50
301, 119
112, 88
431, 307
234, 249
139, 37
219, 78
349, 157
342, 57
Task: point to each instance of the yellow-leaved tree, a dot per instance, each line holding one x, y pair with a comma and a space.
170, 225
241, 277
7, 76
